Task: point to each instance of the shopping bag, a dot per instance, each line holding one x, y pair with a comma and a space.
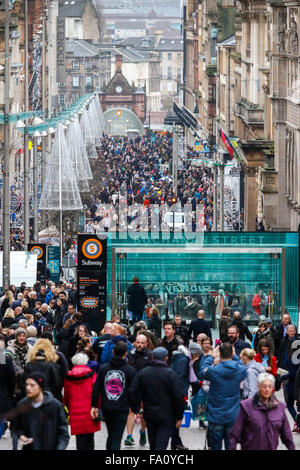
199, 406
186, 422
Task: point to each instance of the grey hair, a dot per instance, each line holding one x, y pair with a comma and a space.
23, 322
291, 326
80, 359
265, 376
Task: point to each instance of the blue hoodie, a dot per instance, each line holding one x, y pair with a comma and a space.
224, 392
106, 355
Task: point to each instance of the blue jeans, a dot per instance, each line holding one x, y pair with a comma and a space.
216, 434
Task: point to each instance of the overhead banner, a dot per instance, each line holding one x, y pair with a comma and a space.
39, 249
91, 279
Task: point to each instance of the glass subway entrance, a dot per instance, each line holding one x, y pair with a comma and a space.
211, 271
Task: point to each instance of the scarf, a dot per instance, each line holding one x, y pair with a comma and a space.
20, 354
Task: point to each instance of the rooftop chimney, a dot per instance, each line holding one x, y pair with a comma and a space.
118, 63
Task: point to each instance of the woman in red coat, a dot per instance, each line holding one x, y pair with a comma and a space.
266, 358
78, 387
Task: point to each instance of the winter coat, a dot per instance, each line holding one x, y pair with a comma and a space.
258, 358
243, 329
170, 347
258, 428
112, 385
99, 344
7, 384
11, 349
139, 359
223, 325
264, 335
158, 388
78, 386
224, 391
47, 425
182, 331
250, 382
7, 322
52, 372
137, 298
285, 351
106, 355
240, 345
181, 366
155, 325
199, 326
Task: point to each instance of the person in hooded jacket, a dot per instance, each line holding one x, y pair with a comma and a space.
112, 385
262, 420
78, 386
118, 334
225, 378
249, 385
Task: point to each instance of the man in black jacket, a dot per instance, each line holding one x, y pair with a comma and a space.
158, 388
199, 326
181, 330
280, 332
40, 420
243, 328
137, 300
169, 341
113, 381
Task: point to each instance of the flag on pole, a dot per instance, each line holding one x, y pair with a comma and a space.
226, 142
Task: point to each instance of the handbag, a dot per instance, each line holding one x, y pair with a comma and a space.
199, 406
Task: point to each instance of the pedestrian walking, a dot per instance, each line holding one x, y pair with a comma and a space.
78, 386
249, 385
112, 386
225, 378
157, 387
40, 420
262, 420
137, 300
199, 326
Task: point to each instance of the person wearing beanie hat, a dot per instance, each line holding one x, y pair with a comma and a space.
158, 388
195, 349
160, 353
39, 420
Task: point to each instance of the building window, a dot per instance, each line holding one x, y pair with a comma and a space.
169, 55
169, 73
75, 65
179, 74
169, 86
75, 81
88, 81
61, 100
160, 55
88, 65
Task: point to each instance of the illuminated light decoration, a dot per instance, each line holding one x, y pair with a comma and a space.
119, 112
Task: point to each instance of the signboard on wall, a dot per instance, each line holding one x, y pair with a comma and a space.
91, 279
40, 249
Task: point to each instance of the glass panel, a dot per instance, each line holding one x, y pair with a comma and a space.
210, 279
